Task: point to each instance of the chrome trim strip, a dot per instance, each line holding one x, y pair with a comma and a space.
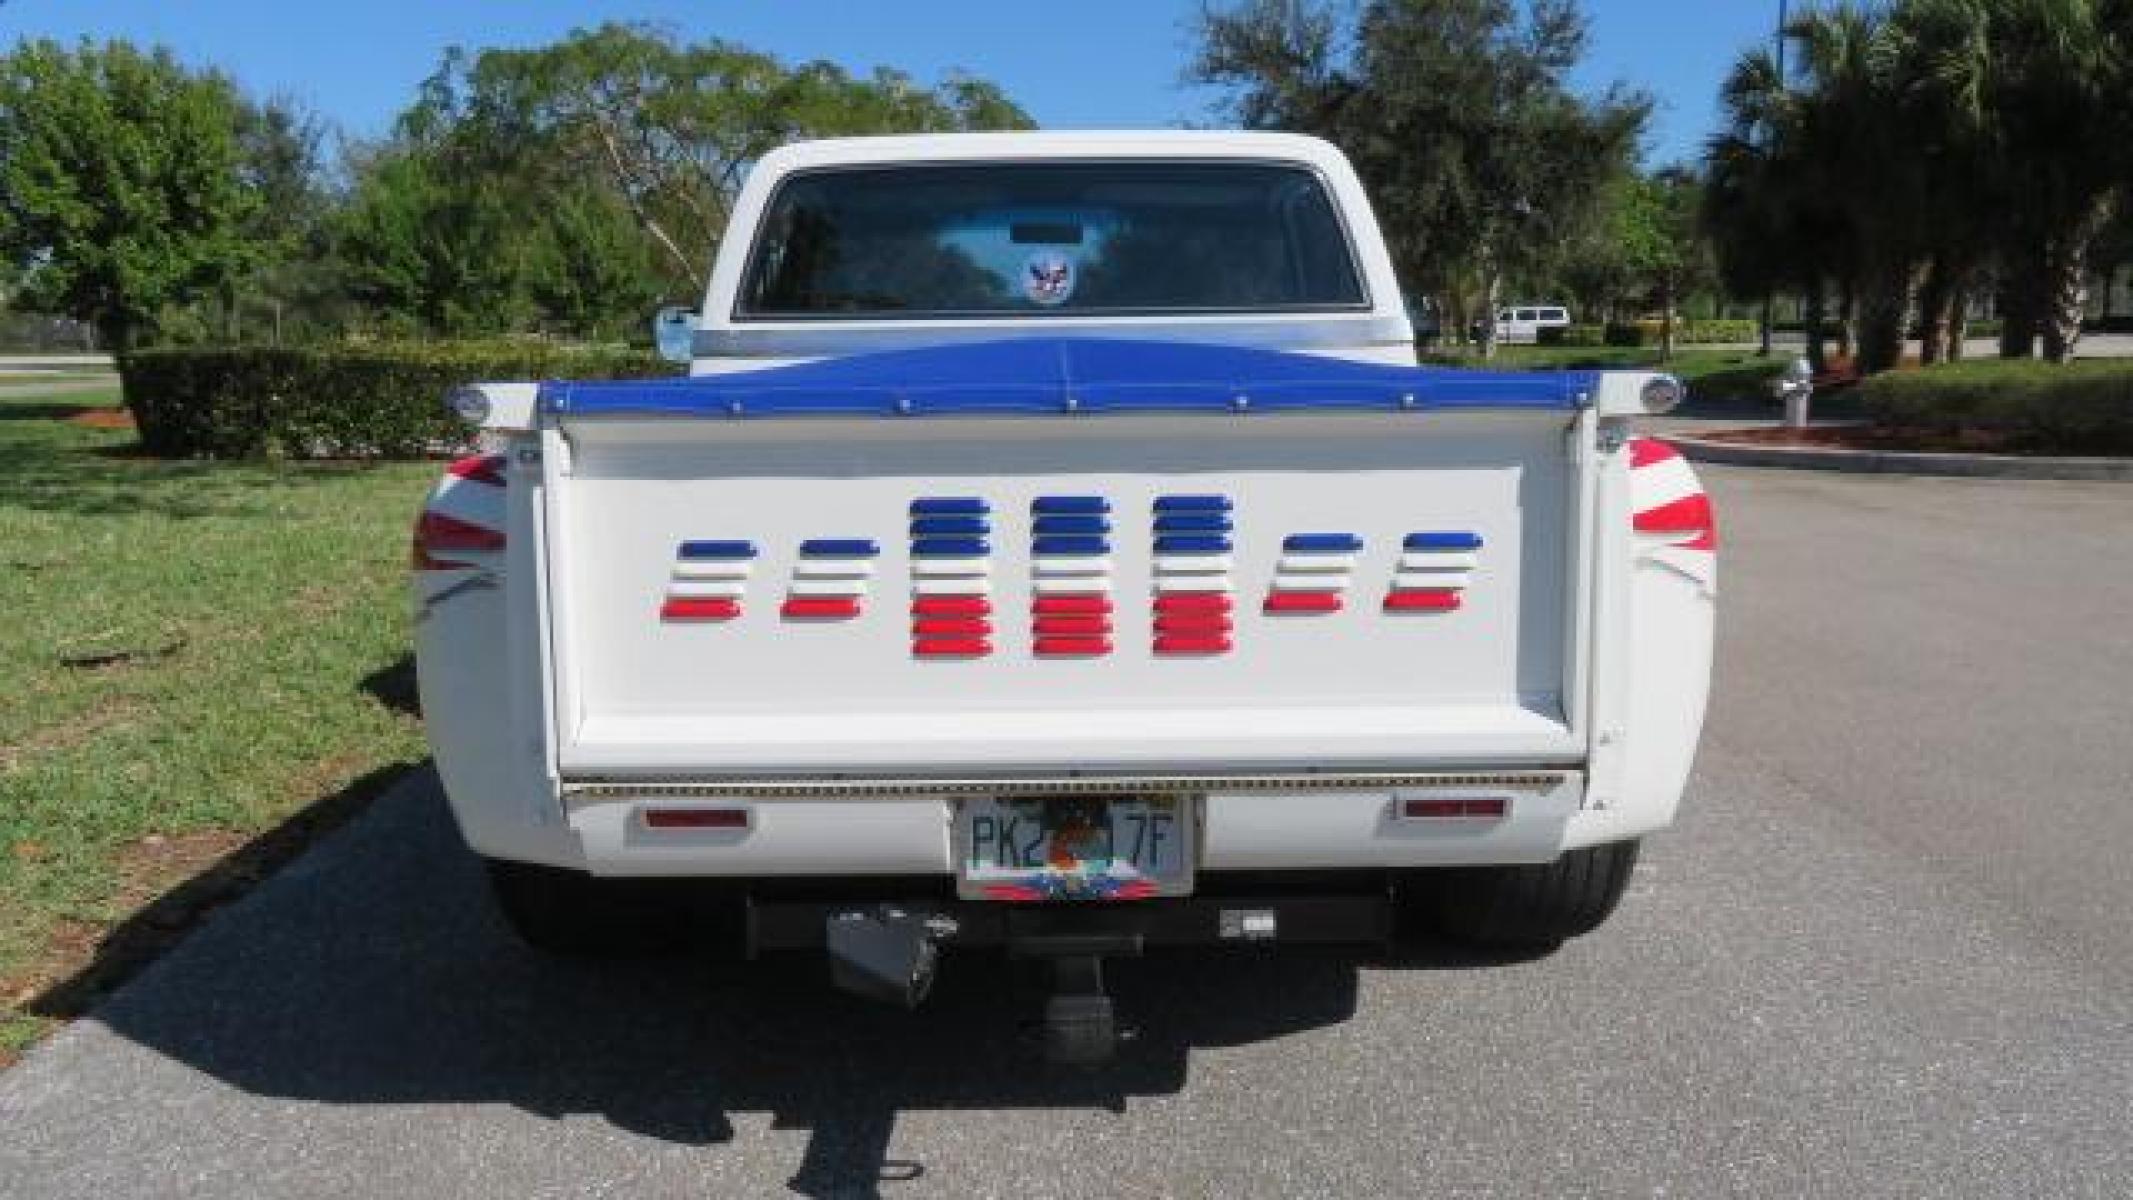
595, 790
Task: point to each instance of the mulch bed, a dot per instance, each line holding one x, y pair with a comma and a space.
103, 418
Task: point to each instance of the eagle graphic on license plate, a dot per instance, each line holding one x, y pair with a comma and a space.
1073, 848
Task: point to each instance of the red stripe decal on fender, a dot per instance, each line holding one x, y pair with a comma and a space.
479, 468
1643, 452
1690, 514
436, 531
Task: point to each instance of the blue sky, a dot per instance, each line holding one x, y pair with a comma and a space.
1085, 63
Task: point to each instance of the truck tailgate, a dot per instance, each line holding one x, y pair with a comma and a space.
1067, 575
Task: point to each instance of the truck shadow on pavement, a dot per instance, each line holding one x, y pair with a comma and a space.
374, 971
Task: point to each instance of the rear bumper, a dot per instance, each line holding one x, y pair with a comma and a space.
1319, 826
1323, 908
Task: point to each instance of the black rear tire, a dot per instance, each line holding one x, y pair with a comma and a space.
574, 914
1529, 906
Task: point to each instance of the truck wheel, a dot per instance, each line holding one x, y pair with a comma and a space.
1529, 906
575, 914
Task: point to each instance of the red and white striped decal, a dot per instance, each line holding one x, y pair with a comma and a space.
462, 523
1667, 499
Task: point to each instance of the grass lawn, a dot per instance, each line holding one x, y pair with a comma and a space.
192, 653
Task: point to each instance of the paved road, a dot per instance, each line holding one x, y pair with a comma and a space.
1886, 952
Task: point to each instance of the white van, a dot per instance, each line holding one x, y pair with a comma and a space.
1523, 324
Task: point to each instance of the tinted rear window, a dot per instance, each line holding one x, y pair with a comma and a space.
1034, 239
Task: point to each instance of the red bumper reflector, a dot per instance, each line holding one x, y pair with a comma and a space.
951, 627
700, 608
1303, 602
1423, 600
1193, 602
1183, 643
1073, 626
820, 607
1067, 605
950, 606
1438, 807
954, 647
696, 818
1057, 646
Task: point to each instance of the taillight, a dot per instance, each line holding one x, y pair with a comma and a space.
695, 818
1437, 808
437, 534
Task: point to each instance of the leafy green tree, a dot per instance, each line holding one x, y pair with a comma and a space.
1484, 163
1662, 246
427, 251
668, 127
120, 194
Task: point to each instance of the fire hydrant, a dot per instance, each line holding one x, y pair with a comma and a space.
1795, 386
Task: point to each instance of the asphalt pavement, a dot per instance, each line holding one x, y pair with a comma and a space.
1885, 952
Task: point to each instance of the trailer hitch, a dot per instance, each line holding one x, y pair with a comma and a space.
890, 953
886, 952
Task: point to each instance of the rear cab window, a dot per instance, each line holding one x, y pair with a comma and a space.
1038, 239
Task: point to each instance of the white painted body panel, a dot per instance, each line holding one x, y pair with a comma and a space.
1581, 647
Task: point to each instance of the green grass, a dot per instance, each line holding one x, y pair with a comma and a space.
190, 651
1714, 374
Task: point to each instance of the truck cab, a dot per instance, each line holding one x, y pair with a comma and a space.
1053, 544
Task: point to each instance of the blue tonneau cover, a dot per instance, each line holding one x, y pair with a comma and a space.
1052, 375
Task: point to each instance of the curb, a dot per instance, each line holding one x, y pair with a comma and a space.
1888, 462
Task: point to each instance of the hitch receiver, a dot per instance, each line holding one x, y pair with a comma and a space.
886, 953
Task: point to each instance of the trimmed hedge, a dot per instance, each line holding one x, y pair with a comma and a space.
2075, 408
369, 400
1686, 333
1574, 335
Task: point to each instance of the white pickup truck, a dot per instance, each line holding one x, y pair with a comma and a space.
1055, 546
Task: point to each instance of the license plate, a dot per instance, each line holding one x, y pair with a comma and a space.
1039, 848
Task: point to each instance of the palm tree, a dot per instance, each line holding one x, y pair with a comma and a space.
2055, 91
1939, 64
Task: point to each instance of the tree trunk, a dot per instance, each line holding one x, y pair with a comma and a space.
1489, 284
2014, 296
1882, 309
1933, 312
1959, 317
1847, 317
1666, 319
2065, 280
1815, 305
1762, 335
